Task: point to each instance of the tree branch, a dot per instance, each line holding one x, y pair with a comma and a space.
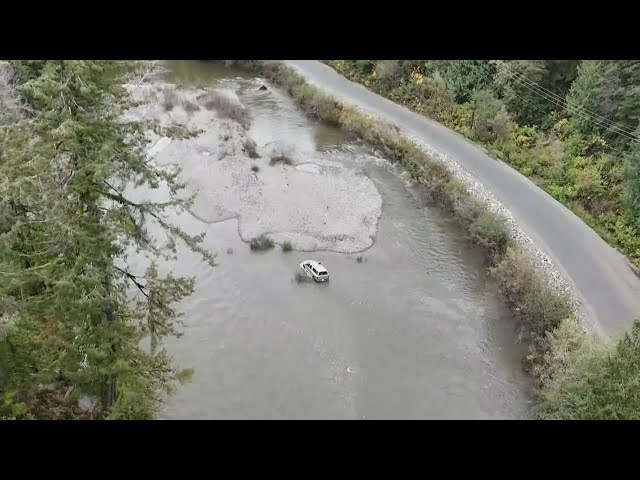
133, 278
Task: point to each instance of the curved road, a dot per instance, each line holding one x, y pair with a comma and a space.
601, 276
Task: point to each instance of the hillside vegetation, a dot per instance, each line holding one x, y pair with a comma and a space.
571, 126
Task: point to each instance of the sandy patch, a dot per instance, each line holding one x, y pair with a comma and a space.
309, 200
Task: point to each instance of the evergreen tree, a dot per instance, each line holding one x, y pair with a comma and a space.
533, 89
68, 222
605, 99
464, 76
632, 180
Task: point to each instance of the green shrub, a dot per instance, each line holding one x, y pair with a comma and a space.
528, 292
437, 177
491, 232
466, 208
365, 66
563, 193
593, 381
491, 120
436, 99
286, 246
557, 347
261, 243
631, 195
387, 69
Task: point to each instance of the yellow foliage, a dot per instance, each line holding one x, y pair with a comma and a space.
562, 127
581, 162
588, 182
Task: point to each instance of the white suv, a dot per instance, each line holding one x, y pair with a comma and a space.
315, 270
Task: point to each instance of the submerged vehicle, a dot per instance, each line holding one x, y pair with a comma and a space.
315, 270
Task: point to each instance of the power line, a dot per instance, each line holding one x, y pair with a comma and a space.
564, 100
616, 128
612, 127
581, 112
631, 138
622, 155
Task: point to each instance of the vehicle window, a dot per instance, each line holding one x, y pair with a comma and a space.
323, 273
314, 271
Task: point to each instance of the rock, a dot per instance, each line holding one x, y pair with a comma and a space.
262, 87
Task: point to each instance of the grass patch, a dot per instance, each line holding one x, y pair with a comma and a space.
360, 259
255, 168
491, 232
286, 246
261, 243
527, 292
229, 251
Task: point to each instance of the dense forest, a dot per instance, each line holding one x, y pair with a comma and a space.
571, 126
74, 340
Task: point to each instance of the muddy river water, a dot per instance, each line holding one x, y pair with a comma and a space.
413, 330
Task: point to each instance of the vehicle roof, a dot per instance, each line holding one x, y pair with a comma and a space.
318, 266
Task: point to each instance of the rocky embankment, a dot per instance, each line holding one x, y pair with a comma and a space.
541, 260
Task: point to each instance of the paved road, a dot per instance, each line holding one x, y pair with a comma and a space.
601, 276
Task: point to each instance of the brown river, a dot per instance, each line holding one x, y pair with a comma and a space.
413, 331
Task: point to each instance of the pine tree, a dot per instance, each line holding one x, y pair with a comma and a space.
464, 76
632, 183
605, 99
69, 224
533, 89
